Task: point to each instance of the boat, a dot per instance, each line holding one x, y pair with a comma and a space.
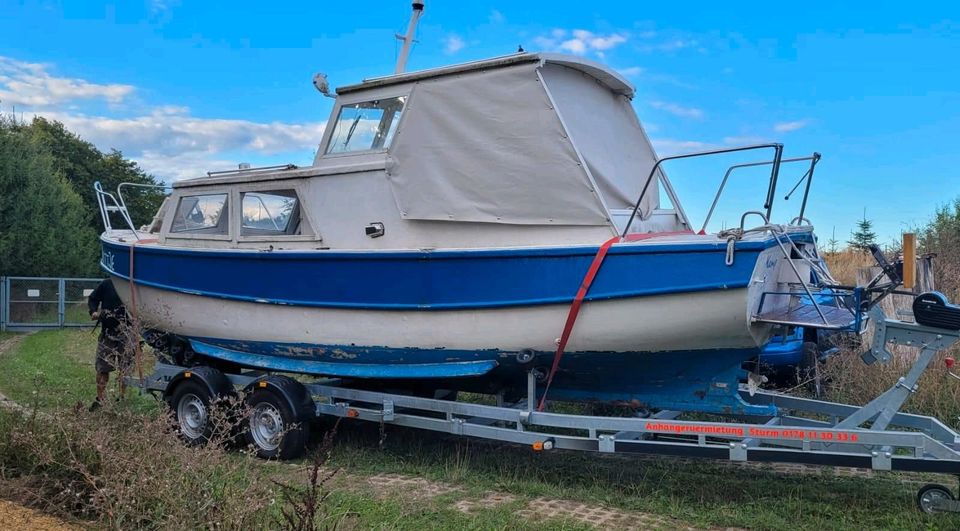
471, 227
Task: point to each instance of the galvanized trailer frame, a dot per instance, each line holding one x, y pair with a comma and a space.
874, 436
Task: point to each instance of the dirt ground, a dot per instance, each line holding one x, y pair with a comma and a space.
13, 516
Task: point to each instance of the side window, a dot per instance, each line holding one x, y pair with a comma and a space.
202, 214
270, 213
366, 126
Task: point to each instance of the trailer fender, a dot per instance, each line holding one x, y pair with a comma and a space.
215, 381
292, 392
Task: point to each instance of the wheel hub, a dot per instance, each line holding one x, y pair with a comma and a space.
266, 427
192, 415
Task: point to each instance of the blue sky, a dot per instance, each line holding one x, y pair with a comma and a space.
188, 86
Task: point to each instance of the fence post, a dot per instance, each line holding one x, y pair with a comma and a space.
61, 305
3, 304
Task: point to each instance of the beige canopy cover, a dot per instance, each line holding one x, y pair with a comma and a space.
537, 139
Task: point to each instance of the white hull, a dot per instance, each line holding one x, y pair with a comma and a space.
687, 321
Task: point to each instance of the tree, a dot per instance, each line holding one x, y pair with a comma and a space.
941, 237
863, 237
43, 220
82, 164
833, 243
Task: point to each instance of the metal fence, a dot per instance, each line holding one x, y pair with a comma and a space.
28, 303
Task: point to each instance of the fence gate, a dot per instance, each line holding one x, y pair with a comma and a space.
44, 302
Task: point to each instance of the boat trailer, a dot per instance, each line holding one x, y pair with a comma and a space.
875, 436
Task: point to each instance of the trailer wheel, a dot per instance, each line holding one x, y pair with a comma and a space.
273, 429
929, 496
191, 407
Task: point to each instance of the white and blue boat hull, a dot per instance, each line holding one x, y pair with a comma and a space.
663, 326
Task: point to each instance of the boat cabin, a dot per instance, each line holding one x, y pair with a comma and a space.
526, 149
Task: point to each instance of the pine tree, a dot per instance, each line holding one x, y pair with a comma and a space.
82, 164
44, 221
863, 237
832, 243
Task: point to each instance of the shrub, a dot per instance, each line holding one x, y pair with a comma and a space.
127, 470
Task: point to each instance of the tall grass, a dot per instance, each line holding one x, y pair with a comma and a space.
126, 470
845, 264
852, 381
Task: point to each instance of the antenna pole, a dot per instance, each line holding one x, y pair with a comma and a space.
408, 38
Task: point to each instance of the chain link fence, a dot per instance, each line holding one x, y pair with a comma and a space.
42, 302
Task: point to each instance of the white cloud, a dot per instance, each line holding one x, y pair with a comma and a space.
630, 71
669, 146
579, 41
171, 168
453, 43
496, 17
670, 45
166, 139
32, 84
162, 6
168, 133
786, 127
678, 110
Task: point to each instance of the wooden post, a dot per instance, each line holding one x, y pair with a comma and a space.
909, 260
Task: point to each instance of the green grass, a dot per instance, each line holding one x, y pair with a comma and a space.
56, 368
395, 513
701, 492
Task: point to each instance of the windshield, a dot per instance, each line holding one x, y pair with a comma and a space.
366, 126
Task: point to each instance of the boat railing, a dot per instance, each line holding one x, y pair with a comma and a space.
806, 178
771, 189
108, 203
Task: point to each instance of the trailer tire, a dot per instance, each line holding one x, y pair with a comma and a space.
272, 428
190, 403
930, 494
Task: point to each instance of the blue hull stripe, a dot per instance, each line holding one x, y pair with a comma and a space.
436, 280
460, 369
693, 380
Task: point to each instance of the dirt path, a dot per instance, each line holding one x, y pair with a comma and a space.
7, 345
540, 509
13, 516
10, 342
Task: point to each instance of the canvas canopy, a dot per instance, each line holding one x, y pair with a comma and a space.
527, 140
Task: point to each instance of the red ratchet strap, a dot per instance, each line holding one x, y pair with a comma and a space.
133, 303
582, 292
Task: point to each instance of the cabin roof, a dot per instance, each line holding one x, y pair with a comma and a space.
609, 77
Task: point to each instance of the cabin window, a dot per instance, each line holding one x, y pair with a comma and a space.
271, 212
204, 214
366, 126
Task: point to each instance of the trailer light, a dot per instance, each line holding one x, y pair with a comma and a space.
538, 446
187, 374
949, 361
262, 385
353, 413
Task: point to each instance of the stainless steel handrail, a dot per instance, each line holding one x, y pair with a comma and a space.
119, 205
774, 172
813, 158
